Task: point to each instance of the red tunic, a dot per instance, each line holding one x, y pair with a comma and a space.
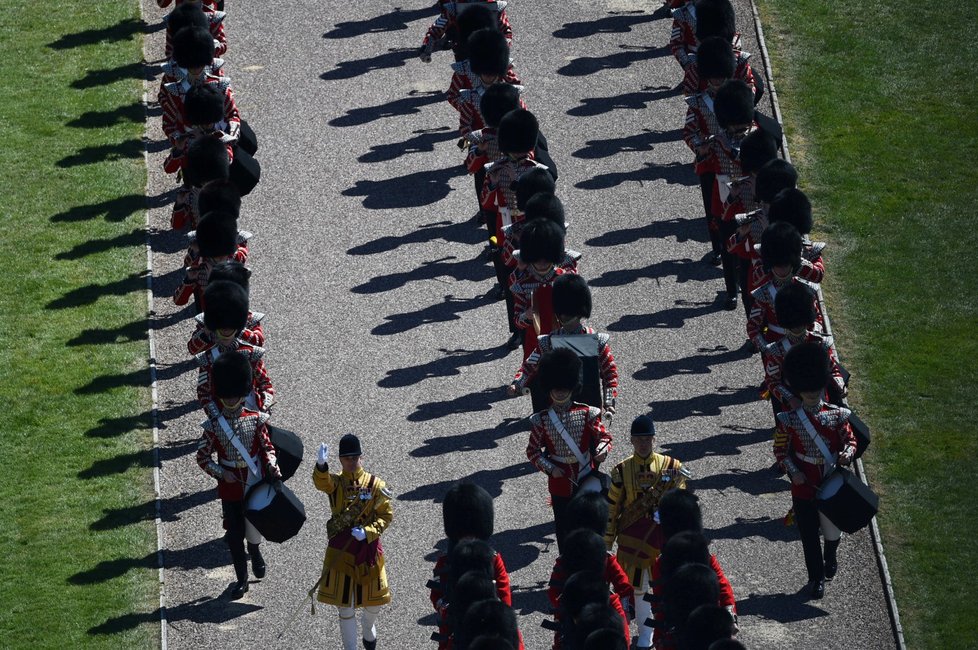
773, 356
263, 393
796, 451
547, 449
701, 128
249, 426
532, 294
445, 27
662, 639
179, 133
762, 323
503, 592
682, 41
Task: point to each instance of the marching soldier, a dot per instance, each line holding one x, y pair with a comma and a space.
354, 576
637, 484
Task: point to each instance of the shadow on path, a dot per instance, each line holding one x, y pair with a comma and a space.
413, 103
395, 21
413, 190
472, 441
617, 22
674, 173
470, 270
591, 106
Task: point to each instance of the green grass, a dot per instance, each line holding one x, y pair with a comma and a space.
77, 540
878, 101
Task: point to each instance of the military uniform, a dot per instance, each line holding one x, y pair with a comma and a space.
263, 392
203, 339
762, 324
443, 33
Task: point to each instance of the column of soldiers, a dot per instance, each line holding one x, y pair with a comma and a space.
212, 158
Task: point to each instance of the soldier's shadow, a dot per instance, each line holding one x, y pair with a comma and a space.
699, 364
671, 317
394, 58
730, 443
702, 405
471, 441
684, 270
591, 106
462, 270
783, 608
630, 54
480, 400
674, 173
448, 309
394, 21
423, 140
413, 103
644, 141
682, 229
489, 479
412, 190
617, 22
451, 363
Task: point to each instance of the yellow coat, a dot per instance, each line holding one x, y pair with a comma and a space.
348, 579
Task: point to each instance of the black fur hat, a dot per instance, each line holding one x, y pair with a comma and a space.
231, 375
560, 369
587, 510
715, 59
499, 99
679, 510
580, 589
807, 368
734, 104
689, 587
706, 624
473, 17
488, 52
756, 150
546, 206
715, 18
774, 176
541, 241
584, 550
792, 206
188, 14
231, 271
571, 296
471, 555
606, 638
490, 618
204, 104
682, 548
219, 195
518, 131
794, 306
532, 182
471, 587
227, 306
217, 234
193, 47
780, 245
207, 160
467, 512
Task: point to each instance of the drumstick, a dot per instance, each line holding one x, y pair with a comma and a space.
535, 313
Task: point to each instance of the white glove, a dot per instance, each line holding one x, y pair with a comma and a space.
359, 533
323, 453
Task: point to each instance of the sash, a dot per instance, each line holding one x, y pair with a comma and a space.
817, 439
236, 442
583, 462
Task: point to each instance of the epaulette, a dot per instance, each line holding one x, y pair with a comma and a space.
263, 417
536, 420
743, 55
543, 342
692, 100
461, 67
500, 5
222, 83
217, 64
603, 338
812, 286
572, 255
255, 317
244, 235
199, 318
217, 17
815, 250
176, 87
492, 165
833, 415
784, 418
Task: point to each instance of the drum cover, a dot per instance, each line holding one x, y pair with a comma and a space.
288, 450
847, 501
277, 514
585, 346
861, 431
247, 139
245, 171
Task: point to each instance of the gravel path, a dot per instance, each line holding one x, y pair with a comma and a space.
379, 321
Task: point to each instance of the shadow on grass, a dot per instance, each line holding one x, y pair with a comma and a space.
670, 318
138, 377
106, 76
591, 106
94, 246
134, 331
699, 364
114, 210
123, 31
413, 103
92, 292
480, 400
644, 141
412, 190
450, 364
630, 54
134, 113
396, 57
673, 410
730, 443
118, 517
463, 233
206, 610
395, 21
684, 270
465, 270
674, 173
206, 555
115, 427
617, 22
140, 459
489, 479
682, 229
424, 140
128, 149
472, 441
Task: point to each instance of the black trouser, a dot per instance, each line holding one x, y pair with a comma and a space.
234, 526
731, 263
743, 275
480, 177
560, 508
706, 189
806, 517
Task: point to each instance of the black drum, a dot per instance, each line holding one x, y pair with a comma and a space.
847, 501
586, 347
275, 512
247, 139
245, 171
288, 450
863, 437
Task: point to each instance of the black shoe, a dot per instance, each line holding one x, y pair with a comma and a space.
515, 340
239, 589
258, 566
370, 645
715, 259
831, 568
816, 589
240, 586
730, 303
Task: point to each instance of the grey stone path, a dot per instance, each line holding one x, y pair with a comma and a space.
378, 321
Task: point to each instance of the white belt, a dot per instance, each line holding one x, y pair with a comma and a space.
231, 464
566, 460
812, 460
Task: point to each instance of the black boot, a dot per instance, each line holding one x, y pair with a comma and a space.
370, 645
239, 588
257, 561
831, 562
816, 589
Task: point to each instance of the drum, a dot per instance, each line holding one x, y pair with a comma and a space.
276, 512
847, 501
585, 346
245, 171
861, 431
247, 139
288, 450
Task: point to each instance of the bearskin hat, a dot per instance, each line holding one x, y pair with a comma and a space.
571, 296
220, 196
217, 235
473, 17
774, 176
690, 586
541, 241
756, 150
606, 638
546, 206
679, 510
792, 206
806, 368
226, 306
532, 182
584, 550
471, 587
715, 59
467, 512
684, 547
489, 642
490, 618
599, 618
188, 14
488, 52
499, 99
706, 624
794, 306
727, 644
734, 104
231, 375
560, 369
231, 271
207, 160
580, 589
780, 245
715, 18
587, 510
193, 47
518, 131
204, 104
